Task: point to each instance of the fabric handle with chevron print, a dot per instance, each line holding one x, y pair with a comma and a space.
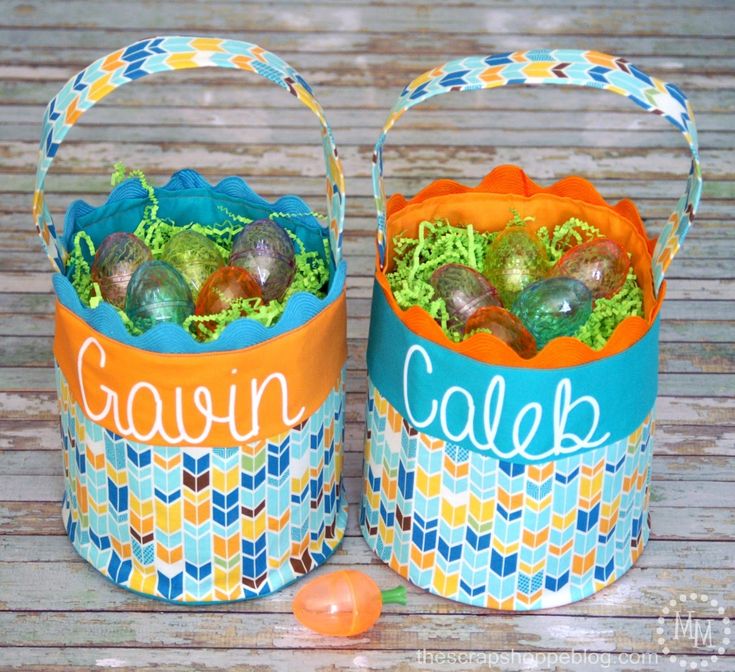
570, 68
161, 54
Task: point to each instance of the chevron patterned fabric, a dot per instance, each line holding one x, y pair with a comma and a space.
506, 534
499, 534
565, 67
161, 54
207, 525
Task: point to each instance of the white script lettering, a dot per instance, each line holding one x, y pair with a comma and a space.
565, 442
202, 400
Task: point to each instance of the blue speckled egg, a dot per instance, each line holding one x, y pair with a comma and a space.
157, 293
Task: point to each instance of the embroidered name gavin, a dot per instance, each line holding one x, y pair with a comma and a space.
169, 414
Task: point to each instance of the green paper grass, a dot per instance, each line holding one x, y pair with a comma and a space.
439, 243
312, 271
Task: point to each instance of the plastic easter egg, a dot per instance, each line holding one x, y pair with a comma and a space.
514, 260
157, 293
600, 264
505, 326
464, 290
553, 307
265, 250
193, 255
225, 286
343, 603
117, 258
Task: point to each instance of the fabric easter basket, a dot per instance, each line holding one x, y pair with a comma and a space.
198, 472
518, 483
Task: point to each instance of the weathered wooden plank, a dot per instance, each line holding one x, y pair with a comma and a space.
21, 253
349, 76
22, 435
395, 630
26, 119
157, 124
39, 378
717, 274
683, 267
28, 407
697, 401
168, 16
305, 134
17, 286
40, 323
75, 587
698, 358
22, 249
83, 45
32, 310
702, 437
16, 234
26, 362
290, 160
667, 467
237, 93
360, 257
361, 287
217, 660
654, 196
597, 5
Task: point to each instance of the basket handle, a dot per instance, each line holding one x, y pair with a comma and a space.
159, 54
565, 67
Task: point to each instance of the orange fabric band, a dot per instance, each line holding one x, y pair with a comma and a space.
198, 400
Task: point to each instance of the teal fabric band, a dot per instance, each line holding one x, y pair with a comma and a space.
514, 414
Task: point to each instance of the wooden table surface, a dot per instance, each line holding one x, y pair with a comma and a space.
56, 612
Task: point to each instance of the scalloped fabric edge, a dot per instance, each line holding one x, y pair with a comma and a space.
232, 186
513, 181
172, 338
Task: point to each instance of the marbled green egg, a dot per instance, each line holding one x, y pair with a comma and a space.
514, 260
193, 255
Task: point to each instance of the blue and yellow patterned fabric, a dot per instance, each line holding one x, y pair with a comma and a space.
161, 54
546, 506
209, 524
562, 67
501, 534
201, 523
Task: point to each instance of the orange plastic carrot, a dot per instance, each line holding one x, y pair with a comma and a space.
343, 603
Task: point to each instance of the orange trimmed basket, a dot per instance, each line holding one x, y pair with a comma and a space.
490, 479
